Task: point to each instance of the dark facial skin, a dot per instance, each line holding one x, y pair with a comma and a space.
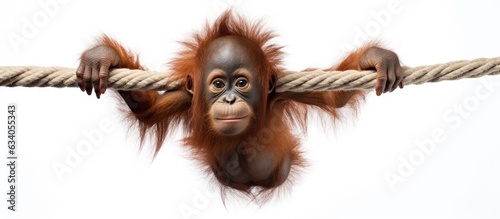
232, 93
92, 73
231, 86
231, 89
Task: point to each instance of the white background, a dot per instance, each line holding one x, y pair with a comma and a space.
460, 178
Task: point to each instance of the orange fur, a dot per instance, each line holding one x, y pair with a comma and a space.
272, 126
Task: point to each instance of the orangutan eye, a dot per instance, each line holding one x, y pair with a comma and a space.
241, 83
217, 83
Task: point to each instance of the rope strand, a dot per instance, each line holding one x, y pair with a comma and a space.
128, 79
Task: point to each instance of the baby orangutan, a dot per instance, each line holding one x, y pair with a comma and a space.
235, 122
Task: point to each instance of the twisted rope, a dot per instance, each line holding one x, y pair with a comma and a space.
127, 79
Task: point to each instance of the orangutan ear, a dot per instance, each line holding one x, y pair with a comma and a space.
189, 84
272, 84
